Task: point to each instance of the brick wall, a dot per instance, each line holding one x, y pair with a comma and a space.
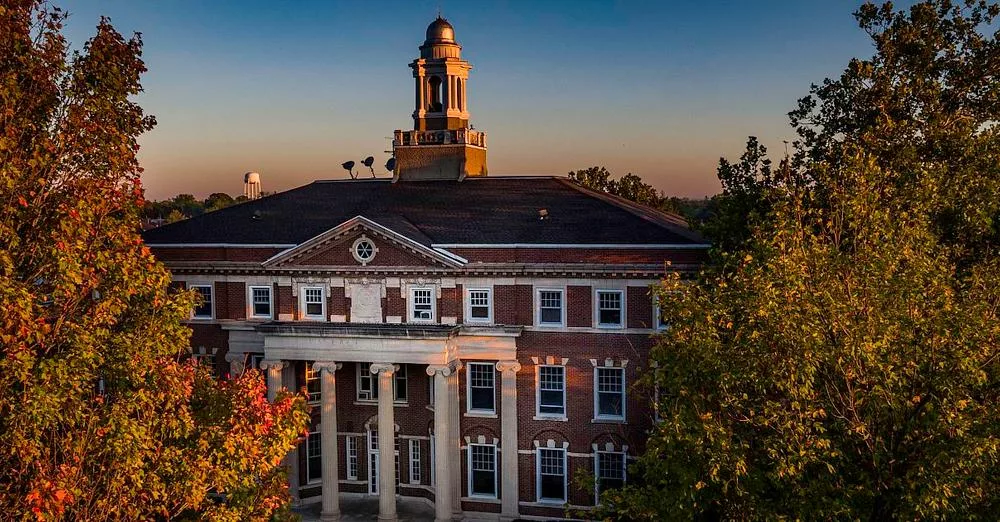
231, 301
513, 304
640, 307
339, 254
579, 306
286, 301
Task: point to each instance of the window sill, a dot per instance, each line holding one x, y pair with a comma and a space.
314, 482
610, 326
480, 414
395, 404
201, 319
551, 502
557, 418
484, 499
550, 325
608, 420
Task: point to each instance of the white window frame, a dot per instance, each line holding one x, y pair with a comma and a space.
315, 377
597, 309
598, 417
489, 306
411, 304
366, 373
597, 471
211, 302
352, 457
658, 325
538, 392
415, 470
468, 389
432, 461
309, 456
303, 304
270, 302
538, 477
469, 471
538, 307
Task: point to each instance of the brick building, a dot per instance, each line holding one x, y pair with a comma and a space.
490, 330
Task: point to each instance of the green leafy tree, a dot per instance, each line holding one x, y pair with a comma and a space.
595, 178
844, 361
217, 200
102, 416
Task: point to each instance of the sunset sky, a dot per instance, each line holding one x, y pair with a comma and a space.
292, 90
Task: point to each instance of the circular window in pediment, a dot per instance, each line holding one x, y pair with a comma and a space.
363, 250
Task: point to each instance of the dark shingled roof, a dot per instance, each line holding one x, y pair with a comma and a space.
490, 210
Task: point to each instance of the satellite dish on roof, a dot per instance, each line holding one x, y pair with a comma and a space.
368, 163
391, 164
349, 167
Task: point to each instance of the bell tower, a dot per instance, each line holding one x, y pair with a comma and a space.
441, 145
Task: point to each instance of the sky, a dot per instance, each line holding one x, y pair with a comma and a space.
293, 89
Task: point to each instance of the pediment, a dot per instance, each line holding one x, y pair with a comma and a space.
361, 242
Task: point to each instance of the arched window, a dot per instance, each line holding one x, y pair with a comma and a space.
435, 101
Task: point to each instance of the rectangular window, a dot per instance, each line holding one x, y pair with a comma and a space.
480, 309
610, 471
254, 360
422, 305
415, 462
482, 470
312, 302
551, 477
552, 390
314, 458
313, 383
261, 301
368, 383
481, 392
609, 391
352, 458
609, 309
550, 307
203, 310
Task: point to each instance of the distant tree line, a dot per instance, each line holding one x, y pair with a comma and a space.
631, 187
183, 206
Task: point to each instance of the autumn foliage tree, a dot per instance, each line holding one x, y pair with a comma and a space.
843, 361
101, 415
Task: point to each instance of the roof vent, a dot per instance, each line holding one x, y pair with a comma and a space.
543, 213
256, 215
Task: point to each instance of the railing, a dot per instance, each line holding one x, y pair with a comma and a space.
440, 137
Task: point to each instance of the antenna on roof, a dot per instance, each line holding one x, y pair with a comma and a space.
368, 163
349, 167
391, 165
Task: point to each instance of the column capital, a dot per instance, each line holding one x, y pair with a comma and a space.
269, 364
444, 369
377, 368
232, 357
511, 366
329, 366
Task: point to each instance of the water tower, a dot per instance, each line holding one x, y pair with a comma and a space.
251, 185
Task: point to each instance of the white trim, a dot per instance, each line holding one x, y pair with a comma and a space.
448, 254
303, 306
598, 417
348, 440
538, 394
469, 471
317, 434
410, 302
597, 309
683, 246
211, 297
220, 245
538, 307
415, 462
468, 305
469, 411
251, 312
538, 477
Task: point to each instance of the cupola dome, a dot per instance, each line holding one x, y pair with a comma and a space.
440, 31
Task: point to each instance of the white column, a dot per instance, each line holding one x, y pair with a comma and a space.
442, 440
508, 439
454, 449
328, 439
236, 364
386, 442
273, 370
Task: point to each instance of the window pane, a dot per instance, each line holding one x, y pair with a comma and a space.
262, 301
483, 469
551, 384
423, 309
549, 315
400, 383
609, 306
610, 317
314, 459
610, 470
205, 308
481, 392
610, 391
550, 306
480, 312
553, 474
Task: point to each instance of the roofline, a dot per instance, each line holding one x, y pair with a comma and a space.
670, 246
221, 245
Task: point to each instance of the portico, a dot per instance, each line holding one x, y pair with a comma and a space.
384, 349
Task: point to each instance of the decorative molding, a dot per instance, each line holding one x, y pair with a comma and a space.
329, 366
268, 365
512, 366
377, 368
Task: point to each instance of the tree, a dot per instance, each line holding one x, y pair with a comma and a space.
632, 188
218, 200
102, 417
843, 362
